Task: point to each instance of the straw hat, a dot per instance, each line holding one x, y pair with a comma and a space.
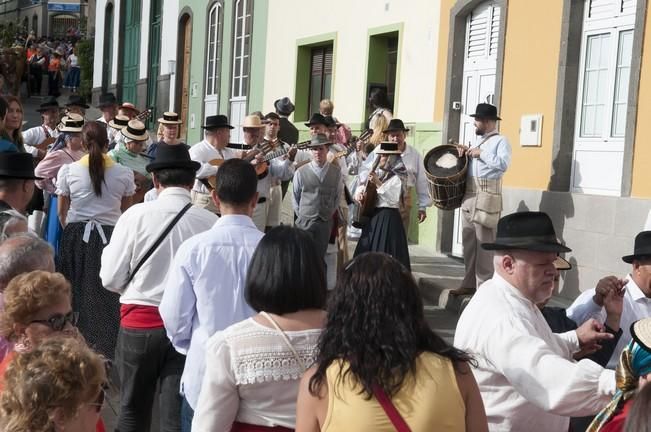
641, 332
71, 123
119, 122
252, 121
135, 131
170, 118
129, 106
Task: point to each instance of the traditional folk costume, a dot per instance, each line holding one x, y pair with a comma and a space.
288, 132
169, 118
385, 232
34, 137
526, 374
317, 190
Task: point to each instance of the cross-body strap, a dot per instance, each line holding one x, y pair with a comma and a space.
396, 419
158, 241
286, 339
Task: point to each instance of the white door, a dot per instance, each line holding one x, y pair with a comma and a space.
479, 68
213, 61
606, 49
241, 66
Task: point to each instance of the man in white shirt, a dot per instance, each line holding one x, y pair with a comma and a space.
526, 374
416, 178
637, 296
38, 138
145, 357
488, 159
213, 148
204, 290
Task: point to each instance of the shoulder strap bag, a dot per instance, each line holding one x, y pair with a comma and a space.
158, 241
396, 419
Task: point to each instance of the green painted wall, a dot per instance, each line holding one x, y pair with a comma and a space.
198, 60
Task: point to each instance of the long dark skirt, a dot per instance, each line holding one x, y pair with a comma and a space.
99, 309
385, 233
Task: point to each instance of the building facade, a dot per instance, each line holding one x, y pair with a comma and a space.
572, 89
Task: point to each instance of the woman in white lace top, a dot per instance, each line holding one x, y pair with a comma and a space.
253, 367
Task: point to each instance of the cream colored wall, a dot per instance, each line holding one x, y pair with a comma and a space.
641, 182
290, 20
532, 49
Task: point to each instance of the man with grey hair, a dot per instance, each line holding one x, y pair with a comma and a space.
22, 253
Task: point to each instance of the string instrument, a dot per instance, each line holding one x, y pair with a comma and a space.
364, 210
351, 146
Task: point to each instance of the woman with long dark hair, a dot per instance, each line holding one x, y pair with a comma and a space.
93, 192
378, 358
13, 124
253, 367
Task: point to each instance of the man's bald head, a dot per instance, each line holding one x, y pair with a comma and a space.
24, 253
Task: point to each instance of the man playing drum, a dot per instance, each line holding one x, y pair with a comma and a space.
488, 159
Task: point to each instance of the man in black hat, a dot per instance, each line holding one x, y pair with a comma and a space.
526, 374
488, 157
145, 356
288, 132
76, 105
318, 124
317, 191
17, 179
416, 178
637, 296
38, 138
108, 104
214, 147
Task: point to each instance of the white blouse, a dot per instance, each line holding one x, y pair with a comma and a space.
74, 181
252, 377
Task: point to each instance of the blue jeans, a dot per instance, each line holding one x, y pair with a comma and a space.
187, 414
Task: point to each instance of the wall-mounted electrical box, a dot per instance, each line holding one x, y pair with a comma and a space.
531, 130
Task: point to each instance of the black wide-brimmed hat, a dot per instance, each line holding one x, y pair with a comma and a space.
76, 100
642, 248
396, 125
317, 118
318, 140
172, 156
17, 165
284, 106
217, 122
106, 100
532, 231
49, 103
486, 111
330, 121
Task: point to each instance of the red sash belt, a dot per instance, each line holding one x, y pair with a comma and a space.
243, 427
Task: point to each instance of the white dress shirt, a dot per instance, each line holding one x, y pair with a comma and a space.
636, 306
252, 377
135, 232
35, 136
204, 292
415, 174
279, 169
203, 152
494, 160
526, 375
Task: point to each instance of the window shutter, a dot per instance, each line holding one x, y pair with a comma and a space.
317, 61
627, 7
495, 31
600, 9
327, 68
478, 32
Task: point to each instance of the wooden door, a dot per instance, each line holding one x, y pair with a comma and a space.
131, 50
107, 60
154, 59
184, 77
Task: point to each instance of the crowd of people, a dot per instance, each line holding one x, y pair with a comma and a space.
167, 272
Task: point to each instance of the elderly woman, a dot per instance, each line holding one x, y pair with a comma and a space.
384, 231
57, 387
253, 367
380, 367
633, 373
128, 152
48, 170
11, 222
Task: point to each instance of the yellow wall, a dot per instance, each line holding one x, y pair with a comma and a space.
532, 49
641, 186
442, 59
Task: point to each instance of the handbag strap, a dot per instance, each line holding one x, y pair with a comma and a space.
159, 240
285, 338
396, 419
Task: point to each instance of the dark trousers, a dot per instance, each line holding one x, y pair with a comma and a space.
187, 415
53, 83
145, 358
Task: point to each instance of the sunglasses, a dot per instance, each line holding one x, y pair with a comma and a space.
99, 402
58, 322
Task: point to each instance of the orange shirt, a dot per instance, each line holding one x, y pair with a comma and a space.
55, 64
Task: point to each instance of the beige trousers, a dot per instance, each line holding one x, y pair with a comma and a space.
274, 207
260, 215
203, 200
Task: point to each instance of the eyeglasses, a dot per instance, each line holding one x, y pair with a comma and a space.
99, 402
58, 322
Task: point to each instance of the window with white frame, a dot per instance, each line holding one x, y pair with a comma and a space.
241, 49
606, 51
213, 61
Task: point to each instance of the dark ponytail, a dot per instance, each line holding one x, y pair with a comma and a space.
95, 140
